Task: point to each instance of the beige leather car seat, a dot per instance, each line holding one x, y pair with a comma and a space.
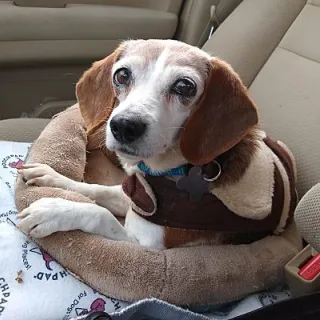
274, 46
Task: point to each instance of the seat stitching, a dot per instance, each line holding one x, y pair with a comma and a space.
298, 54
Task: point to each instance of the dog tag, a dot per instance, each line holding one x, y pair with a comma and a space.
194, 184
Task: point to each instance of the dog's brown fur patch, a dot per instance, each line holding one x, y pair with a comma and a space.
224, 116
174, 237
235, 161
95, 93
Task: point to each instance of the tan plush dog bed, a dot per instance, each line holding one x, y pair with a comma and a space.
184, 276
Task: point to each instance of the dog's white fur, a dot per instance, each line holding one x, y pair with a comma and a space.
149, 98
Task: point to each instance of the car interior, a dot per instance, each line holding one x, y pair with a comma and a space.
46, 45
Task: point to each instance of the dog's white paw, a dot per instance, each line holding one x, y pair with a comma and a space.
46, 216
43, 175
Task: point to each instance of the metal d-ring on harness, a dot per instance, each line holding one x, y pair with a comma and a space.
216, 177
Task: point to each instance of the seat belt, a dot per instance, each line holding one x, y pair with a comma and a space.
211, 26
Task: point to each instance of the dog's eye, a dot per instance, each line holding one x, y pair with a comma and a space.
122, 77
184, 87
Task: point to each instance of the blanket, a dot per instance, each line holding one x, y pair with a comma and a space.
32, 283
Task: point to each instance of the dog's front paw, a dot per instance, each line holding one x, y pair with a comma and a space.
46, 216
42, 175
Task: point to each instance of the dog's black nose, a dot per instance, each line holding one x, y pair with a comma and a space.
125, 130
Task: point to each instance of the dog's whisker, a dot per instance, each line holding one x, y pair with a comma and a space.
165, 140
174, 128
102, 144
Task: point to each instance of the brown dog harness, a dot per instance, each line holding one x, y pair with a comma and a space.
158, 200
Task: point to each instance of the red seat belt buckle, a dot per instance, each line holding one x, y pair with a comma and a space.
303, 272
311, 269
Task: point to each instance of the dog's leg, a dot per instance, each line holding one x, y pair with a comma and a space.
48, 215
110, 197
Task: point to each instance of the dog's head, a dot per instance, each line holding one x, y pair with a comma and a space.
166, 95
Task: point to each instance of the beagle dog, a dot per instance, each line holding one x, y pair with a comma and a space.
186, 132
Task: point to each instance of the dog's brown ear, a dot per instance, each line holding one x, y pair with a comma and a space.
95, 92
223, 117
